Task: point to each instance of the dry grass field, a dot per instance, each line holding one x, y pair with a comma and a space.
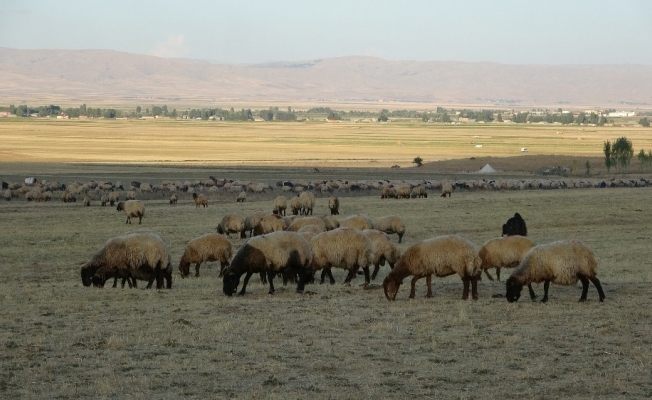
62, 340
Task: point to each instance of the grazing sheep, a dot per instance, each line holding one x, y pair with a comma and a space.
268, 224
210, 247
174, 198
334, 205
563, 262
359, 221
7, 195
295, 205
104, 199
442, 256
285, 252
330, 222
383, 250
312, 228
232, 223
280, 205
131, 195
200, 200
515, 226
250, 223
242, 197
419, 192
114, 197
87, 201
301, 222
391, 224
403, 192
504, 252
446, 189
133, 208
346, 248
306, 202
387, 192
134, 256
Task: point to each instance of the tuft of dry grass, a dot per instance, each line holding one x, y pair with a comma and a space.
63, 340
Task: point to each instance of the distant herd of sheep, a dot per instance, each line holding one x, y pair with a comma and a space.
295, 247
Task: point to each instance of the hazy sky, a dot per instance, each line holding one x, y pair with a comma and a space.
249, 31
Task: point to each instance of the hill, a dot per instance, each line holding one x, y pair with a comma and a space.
94, 76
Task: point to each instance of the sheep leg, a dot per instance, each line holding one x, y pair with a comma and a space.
598, 286
491, 278
115, 281
546, 285
533, 295
352, 273
327, 272
133, 283
400, 238
270, 278
197, 270
149, 284
375, 273
429, 283
244, 284
263, 278
474, 288
140, 219
497, 274
585, 287
413, 284
465, 293
366, 275
159, 279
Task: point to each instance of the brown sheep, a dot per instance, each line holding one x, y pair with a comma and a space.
232, 223
446, 189
301, 222
280, 205
330, 222
334, 205
359, 221
442, 256
200, 200
504, 252
242, 197
383, 250
210, 247
295, 205
403, 192
391, 224
174, 198
87, 201
133, 208
250, 223
104, 199
268, 224
346, 248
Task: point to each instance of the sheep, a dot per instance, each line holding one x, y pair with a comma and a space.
232, 223
87, 201
442, 256
200, 200
330, 222
209, 247
131, 195
515, 226
104, 199
359, 221
312, 228
563, 262
295, 205
334, 205
383, 250
391, 224
133, 208
7, 195
346, 248
134, 255
242, 197
419, 192
446, 189
285, 252
307, 202
403, 192
387, 192
503, 252
114, 197
301, 222
250, 223
174, 198
268, 224
280, 205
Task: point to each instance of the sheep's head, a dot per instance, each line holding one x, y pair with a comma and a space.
86, 274
231, 281
121, 206
184, 268
391, 288
513, 290
98, 280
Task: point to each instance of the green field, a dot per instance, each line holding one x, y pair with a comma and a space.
63, 340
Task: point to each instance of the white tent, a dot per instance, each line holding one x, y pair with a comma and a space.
487, 169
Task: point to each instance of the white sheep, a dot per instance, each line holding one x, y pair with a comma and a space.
446, 189
277, 252
301, 222
209, 247
391, 224
442, 256
346, 248
242, 197
563, 262
133, 208
295, 205
270, 223
359, 221
330, 222
250, 223
132, 256
306, 202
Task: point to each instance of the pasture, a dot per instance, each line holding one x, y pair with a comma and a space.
62, 340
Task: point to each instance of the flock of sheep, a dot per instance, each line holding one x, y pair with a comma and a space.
296, 246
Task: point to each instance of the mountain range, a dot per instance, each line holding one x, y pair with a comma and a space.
110, 77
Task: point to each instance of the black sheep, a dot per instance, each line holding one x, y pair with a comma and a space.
515, 226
